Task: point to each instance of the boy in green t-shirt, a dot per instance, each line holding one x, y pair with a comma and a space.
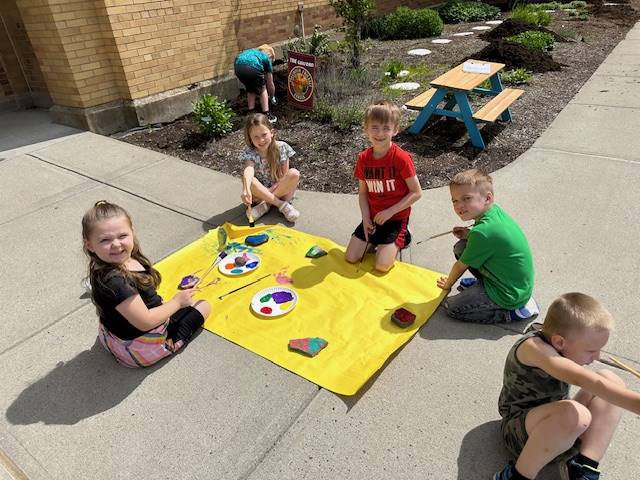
495, 251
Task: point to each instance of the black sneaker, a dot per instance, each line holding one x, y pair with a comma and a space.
573, 470
272, 118
505, 474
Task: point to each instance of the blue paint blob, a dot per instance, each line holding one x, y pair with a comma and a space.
251, 265
237, 270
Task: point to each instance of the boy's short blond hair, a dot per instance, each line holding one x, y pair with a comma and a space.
268, 49
475, 178
382, 112
576, 312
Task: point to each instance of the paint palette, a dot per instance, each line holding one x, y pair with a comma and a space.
239, 263
274, 301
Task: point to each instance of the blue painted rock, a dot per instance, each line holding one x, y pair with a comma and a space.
255, 240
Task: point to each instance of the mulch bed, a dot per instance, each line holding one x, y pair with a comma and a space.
326, 156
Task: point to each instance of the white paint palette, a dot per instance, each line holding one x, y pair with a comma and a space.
274, 301
229, 267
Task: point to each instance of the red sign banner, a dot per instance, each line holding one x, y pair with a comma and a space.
301, 81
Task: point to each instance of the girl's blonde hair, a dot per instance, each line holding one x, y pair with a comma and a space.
99, 270
268, 49
273, 152
576, 312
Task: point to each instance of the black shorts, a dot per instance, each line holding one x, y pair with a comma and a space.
184, 323
252, 79
391, 231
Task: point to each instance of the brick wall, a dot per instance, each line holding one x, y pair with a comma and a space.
19, 74
93, 52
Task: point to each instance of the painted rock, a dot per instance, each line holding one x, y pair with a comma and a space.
255, 240
241, 261
189, 281
403, 317
315, 252
308, 346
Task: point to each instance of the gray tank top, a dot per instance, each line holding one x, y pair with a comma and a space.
525, 387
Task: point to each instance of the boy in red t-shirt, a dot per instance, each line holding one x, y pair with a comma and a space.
388, 186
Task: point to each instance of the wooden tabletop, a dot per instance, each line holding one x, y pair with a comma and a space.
457, 79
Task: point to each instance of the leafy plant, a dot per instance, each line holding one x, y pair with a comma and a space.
456, 11
354, 13
531, 15
568, 33
317, 44
343, 117
407, 23
533, 40
213, 116
517, 76
393, 68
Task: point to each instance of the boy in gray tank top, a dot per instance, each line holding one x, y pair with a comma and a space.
539, 420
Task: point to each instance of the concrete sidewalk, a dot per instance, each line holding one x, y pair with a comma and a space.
217, 411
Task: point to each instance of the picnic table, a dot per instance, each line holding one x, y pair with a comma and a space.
455, 87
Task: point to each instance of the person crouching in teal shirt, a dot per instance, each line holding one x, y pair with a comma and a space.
495, 250
254, 68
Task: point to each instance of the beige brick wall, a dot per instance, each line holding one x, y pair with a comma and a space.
96, 51
19, 69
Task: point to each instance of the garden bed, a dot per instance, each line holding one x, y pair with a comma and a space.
326, 155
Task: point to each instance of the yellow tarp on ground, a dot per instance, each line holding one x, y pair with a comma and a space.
350, 309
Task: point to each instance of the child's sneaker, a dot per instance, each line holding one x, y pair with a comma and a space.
289, 212
259, 210
505, 474
572, 470
528, 312
466, 282
86, 284
272, 118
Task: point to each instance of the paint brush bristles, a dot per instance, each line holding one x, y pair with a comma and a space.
220, 256
243, 286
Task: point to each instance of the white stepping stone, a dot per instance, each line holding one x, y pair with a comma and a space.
419, 52
405, 86
462, 34
441, 40
611, 4
481, 27
493, 22
403, 73
549, 11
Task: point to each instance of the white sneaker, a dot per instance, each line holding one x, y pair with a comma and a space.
289, 212
259, 210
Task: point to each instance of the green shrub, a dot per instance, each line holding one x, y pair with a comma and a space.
407, 23
456, 11
533, 40
374, 27
517, 76
568, 33
531, 15
342, 117
213, 116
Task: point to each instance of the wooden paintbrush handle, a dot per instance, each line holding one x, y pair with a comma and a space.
624, 366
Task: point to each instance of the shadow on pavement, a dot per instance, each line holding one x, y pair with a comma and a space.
86, 385
440, 326
481, 452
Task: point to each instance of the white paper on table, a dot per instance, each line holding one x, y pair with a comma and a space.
476, 67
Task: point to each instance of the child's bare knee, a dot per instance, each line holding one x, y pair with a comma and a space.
383, 267
350, 258
574, 417
609, 375
203, 307
293, 173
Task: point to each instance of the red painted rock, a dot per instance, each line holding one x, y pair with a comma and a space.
403, 318
308, 346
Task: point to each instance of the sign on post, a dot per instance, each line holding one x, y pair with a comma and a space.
301, 80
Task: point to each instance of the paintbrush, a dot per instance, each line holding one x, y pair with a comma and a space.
438, 235
250, 217
243, 286
625, 367
222, 243
366, 247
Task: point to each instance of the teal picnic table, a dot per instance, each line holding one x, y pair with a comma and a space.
454, 87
